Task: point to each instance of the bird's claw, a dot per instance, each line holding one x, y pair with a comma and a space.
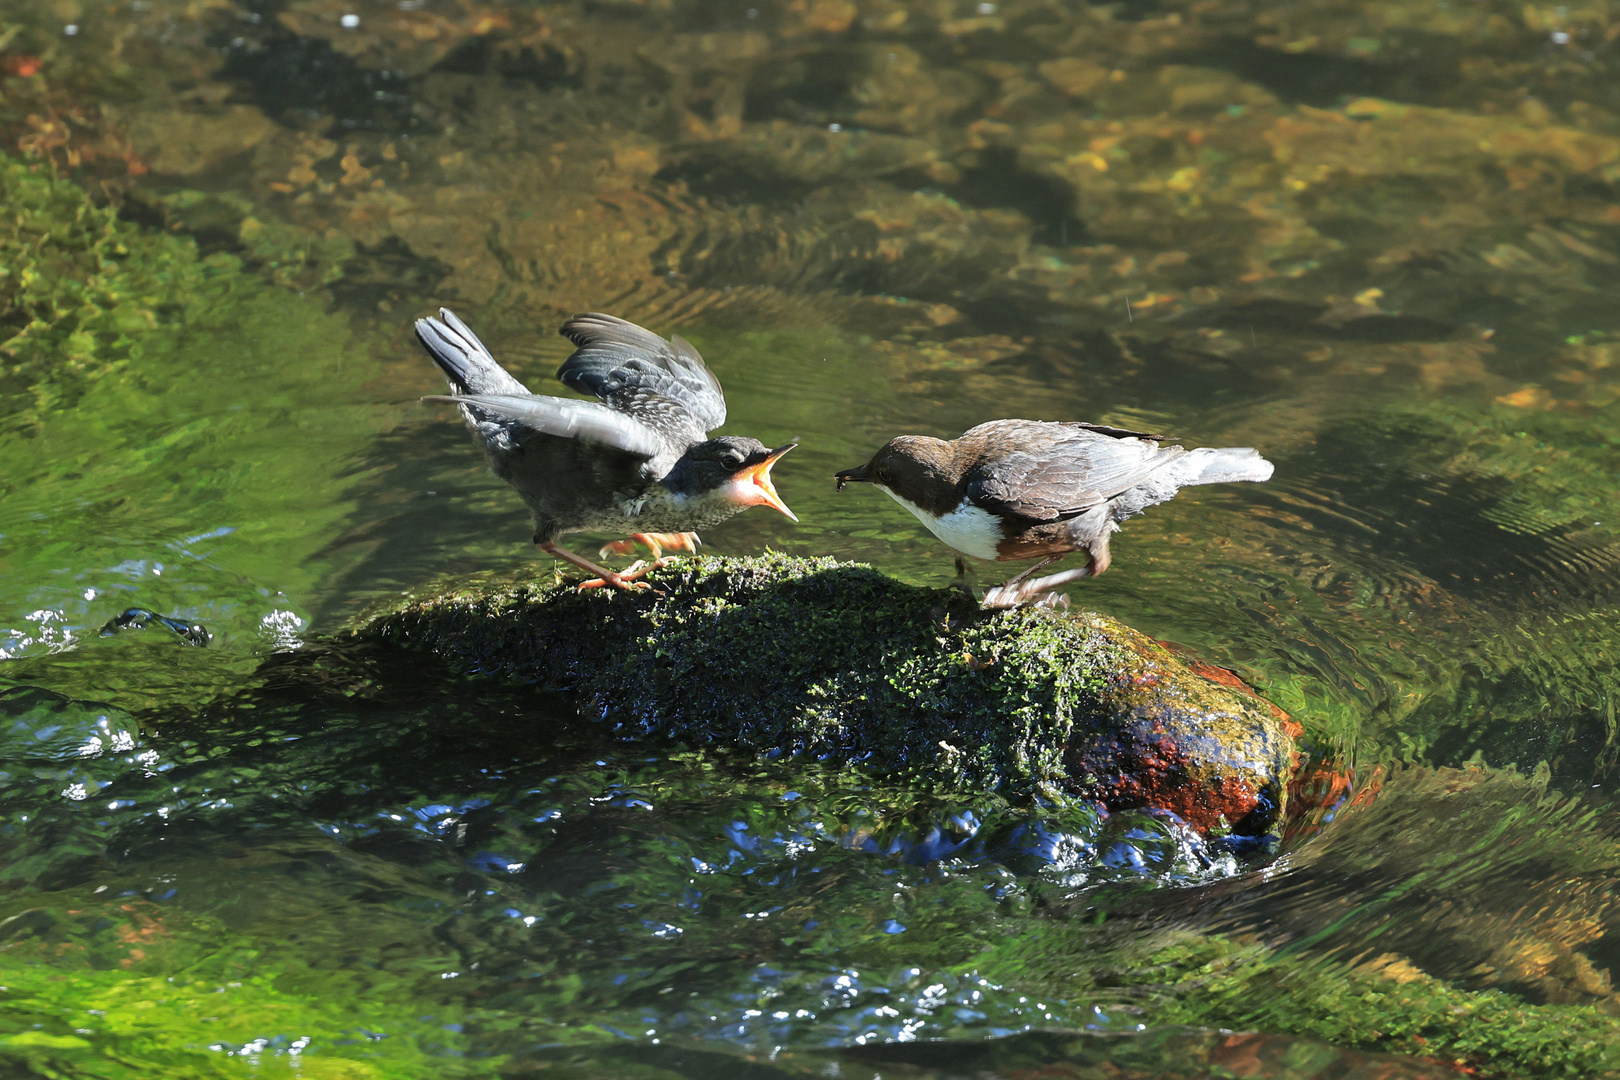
630, 578
617, 581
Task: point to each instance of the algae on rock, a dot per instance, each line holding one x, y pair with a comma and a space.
781, 655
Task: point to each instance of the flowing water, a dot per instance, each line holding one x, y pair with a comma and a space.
1379, 242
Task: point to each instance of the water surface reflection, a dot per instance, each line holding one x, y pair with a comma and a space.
1377, 243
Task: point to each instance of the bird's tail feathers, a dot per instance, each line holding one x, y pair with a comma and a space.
1225, 465
466, 363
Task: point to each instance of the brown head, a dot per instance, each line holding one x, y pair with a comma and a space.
919, 468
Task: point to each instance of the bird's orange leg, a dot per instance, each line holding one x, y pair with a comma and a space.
626, 582
654, 542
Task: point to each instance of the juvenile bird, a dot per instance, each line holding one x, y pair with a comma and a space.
639, 459
1011, 490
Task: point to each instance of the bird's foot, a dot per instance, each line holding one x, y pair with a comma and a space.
1016, 593
626, 580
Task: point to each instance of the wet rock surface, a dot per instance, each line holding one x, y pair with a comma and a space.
778, 655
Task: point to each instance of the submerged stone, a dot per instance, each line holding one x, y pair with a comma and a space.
789, 656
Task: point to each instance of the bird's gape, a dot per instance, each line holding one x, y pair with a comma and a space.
751, 485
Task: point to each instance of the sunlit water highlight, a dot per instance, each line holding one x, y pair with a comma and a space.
1380, 245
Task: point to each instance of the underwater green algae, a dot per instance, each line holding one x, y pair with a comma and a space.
1315, 210
73, 294
156, 429
208, 1019
499, 884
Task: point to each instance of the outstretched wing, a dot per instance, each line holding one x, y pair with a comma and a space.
664, 384
587, 421
500, 409
1061, 470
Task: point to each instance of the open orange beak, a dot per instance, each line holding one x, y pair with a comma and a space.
755, 484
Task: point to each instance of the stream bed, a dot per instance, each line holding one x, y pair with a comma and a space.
1380, 242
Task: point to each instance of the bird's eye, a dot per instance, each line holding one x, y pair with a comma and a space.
732, 459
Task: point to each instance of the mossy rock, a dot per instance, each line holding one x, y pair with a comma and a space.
787, 656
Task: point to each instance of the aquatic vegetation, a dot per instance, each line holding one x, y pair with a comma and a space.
428, 880
135, 363
74, 296
1377, 241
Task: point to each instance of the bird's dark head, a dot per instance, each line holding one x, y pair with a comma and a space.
904, 463
733, 468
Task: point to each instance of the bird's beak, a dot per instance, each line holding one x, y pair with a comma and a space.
755, 482
857, 475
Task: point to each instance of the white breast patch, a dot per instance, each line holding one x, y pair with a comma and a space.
968, 529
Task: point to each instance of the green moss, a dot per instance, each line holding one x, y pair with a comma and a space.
1223, 982
77, 288
173, 400
1407, 1013
838, 662
282, 252
184, 997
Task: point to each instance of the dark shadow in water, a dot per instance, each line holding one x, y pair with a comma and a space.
717, 174
390, 273
216, 226
547, 69
999, 182
299, 80
814, 90
1325, 79
725, 16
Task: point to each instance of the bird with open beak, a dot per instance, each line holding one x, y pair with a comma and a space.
1012, 490
639, 460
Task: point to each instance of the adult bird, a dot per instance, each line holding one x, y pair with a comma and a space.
639, 460
1011, 490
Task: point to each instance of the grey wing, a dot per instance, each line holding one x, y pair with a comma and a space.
1069, 476
587, 421
665, 384
466, 363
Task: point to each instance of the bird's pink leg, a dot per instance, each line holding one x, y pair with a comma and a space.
1019, 590
961, 583
626, 582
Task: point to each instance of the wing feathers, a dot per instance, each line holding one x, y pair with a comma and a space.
635, 371
465, 361
1209, 465
1063, 469
656, 396
587, 421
